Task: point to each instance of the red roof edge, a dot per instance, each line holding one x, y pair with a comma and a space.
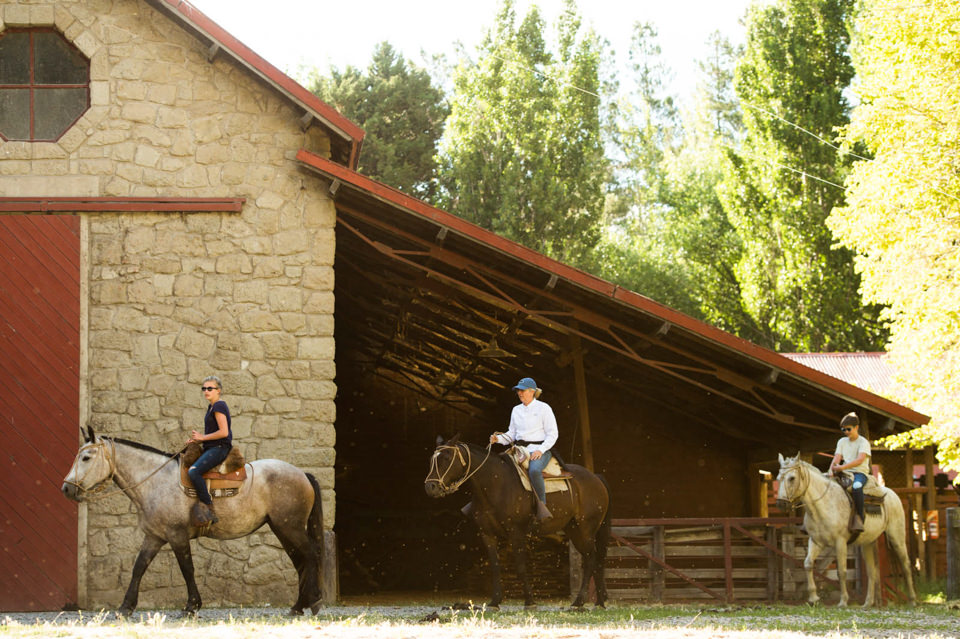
603, 287
330, 116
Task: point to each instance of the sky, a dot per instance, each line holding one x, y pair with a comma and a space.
295, 34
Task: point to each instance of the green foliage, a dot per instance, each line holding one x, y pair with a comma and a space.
903, 213
782, 183
401, 112
522, 153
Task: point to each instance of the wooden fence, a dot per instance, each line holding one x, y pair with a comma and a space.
718, 559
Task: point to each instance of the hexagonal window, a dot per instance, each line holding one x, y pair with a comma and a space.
44, 84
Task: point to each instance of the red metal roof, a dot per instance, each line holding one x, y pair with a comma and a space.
597, 286
864, 370
198, 22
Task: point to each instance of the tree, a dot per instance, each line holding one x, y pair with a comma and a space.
522, 153
401, 112
782, 183
902, 215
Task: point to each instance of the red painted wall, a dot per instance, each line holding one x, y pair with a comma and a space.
39, 409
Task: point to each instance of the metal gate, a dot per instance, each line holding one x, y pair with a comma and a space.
39, 408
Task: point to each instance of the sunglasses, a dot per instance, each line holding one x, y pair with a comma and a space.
846, 429
208, 388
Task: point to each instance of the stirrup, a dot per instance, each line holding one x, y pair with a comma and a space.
542, 511
202, 515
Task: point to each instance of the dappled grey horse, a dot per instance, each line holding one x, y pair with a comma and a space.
827, 516
275, 493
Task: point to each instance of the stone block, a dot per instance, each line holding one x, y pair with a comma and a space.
133, 379
279, 345
311, 348
139, 112
290, 242
322, 411
145, 350
308, 389
235, 264
255, 291
285, 298
318, 278
293, 370
257, 321
269, 387
195, 344
282, 405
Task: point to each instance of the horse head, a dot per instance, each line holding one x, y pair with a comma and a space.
792, 480
449, 467
92, 466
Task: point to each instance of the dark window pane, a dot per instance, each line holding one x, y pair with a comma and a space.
15, 114
14, 58
55, 110
56, 61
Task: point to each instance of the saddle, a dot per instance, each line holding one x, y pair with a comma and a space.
223, 481
873, 493
554, 476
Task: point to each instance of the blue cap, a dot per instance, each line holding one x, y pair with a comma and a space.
525, 384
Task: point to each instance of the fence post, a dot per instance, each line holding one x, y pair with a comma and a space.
658, 581
772, 577
953, 553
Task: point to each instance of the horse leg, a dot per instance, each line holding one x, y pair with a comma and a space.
841, 549
301, 552
587, 549
809, 563
899, 545
869, 553
148, 550
518, 541
490, 544
185, 560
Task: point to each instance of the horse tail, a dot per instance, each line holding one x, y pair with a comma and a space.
315, 519
603, 533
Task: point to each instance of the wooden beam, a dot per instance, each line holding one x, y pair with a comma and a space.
930, 503
583, 408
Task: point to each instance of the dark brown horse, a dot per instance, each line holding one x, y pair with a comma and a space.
275, 493
504, 509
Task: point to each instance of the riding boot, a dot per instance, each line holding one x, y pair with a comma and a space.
202, 515
542, 511
857, 519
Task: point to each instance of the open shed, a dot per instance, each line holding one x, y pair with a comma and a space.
436, 319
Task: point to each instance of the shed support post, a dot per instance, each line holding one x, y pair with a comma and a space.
953, 553
930, 504
583, 408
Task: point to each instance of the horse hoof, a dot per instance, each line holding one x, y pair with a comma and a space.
529, 606
493, 606
295, 612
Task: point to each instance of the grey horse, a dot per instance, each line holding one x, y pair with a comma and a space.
275, 493
827, 514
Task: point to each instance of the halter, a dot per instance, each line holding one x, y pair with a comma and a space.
458, 454
805, 475
100, 486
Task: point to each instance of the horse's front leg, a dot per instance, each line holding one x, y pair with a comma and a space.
148, 550
809, 563
841, 548
518, 541
185, 559
490, 544
869, 554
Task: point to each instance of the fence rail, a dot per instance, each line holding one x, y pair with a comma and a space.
720, 559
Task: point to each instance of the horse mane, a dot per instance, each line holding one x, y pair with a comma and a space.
139, 446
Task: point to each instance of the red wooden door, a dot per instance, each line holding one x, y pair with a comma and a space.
39, 409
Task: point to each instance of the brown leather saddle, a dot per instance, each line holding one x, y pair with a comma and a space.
223, 481
872, 504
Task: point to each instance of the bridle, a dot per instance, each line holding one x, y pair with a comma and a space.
805, 476
98, 488
434, 474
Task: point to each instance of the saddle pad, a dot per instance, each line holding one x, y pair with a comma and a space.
218, 484
554, 484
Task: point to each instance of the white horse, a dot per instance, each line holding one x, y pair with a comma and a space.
275, 493
827, 516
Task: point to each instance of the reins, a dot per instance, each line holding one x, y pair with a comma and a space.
805, 473
434, 469
111, 460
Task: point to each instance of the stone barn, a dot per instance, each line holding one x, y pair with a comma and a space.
174, 207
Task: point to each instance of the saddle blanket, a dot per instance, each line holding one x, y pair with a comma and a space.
554, 477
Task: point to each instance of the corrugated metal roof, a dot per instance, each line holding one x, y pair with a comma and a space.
868, 371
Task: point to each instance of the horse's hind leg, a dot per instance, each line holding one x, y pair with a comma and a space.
869, 553
301, 552
518, 541
185, 561
587, 548
148, 550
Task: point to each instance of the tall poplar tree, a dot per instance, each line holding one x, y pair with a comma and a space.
522, 153
801, 291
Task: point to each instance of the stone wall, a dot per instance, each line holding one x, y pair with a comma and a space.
173, 297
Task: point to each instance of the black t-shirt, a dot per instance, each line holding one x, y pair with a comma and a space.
210, 425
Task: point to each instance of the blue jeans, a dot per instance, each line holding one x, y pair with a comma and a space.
210, 458
536, 475
859, 481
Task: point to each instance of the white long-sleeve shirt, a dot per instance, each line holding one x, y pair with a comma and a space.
533, 423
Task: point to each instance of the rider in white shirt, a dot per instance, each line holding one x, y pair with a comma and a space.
534, 426
853, 454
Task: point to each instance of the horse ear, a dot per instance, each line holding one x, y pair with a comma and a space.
454, 439
90, 437
439, 440
780, 458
